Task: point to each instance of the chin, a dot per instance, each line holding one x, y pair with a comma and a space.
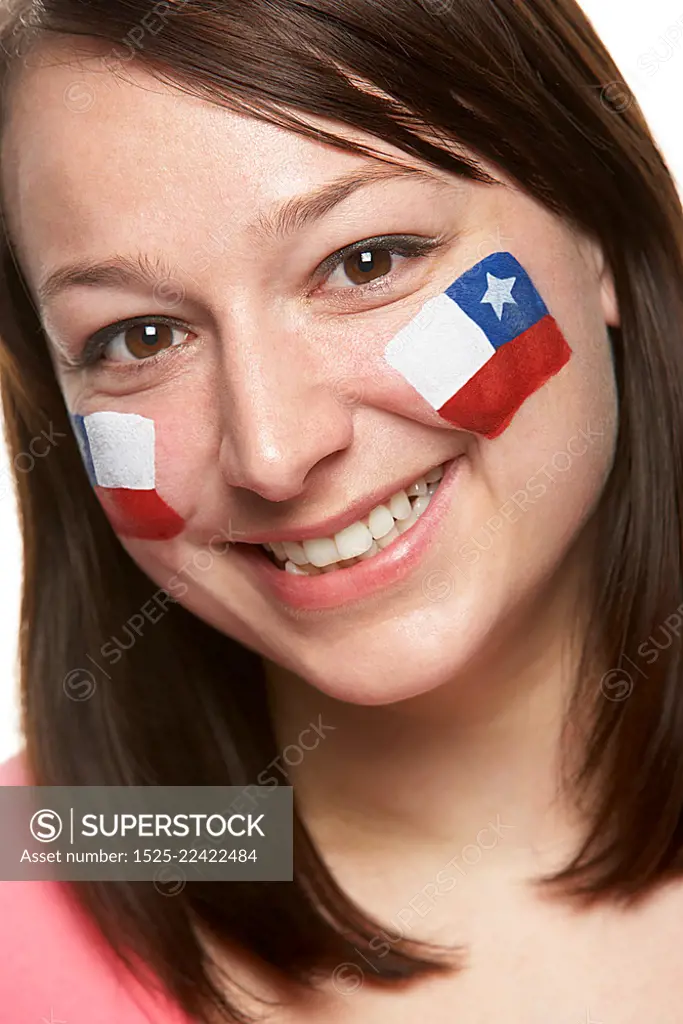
406, 657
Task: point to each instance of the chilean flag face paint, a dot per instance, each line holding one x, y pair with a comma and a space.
477, 351
118, 450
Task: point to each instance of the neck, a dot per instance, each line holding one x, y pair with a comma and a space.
450, 769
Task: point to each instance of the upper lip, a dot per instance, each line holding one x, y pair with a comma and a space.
327, 528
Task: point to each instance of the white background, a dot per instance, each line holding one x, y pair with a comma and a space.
646, 40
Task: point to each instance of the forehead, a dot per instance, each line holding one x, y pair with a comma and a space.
89, 154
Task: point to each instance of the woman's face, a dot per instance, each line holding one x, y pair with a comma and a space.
254, 399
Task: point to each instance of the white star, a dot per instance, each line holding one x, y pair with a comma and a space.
499, 292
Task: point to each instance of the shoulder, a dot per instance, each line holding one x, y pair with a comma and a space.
55, 964
13, 771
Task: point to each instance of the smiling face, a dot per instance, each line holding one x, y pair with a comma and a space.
280, 347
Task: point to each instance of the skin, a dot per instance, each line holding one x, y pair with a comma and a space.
253, 432
458, 689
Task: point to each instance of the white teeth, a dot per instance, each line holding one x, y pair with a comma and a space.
361, 540
417, 489
295, 552
385, 541
399, 505
421, 504
370, 552
302, 570
320, 551
434, 475
405, 524
295, 570
380, 521
353, 541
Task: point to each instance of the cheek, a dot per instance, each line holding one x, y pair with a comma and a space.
476, 352
565, 437
128, 461
541, 480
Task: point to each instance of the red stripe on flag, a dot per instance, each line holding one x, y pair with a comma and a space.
140, 514
489, 400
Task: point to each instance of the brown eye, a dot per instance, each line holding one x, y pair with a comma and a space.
148, 339
368, 265
143, 340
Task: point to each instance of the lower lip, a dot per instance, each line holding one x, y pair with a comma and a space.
394, 563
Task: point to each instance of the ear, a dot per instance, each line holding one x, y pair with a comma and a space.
610, 306
608, 297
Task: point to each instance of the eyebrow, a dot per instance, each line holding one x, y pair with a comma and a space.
287, 218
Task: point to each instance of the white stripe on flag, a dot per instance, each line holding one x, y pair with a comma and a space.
439, 350
122, 449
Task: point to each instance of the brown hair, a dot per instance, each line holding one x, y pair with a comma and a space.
528, 85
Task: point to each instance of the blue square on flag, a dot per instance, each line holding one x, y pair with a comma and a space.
499, 296
78, 424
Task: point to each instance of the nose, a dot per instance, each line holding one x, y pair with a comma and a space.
280, 416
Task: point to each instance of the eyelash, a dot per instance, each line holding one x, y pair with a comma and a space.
397, 245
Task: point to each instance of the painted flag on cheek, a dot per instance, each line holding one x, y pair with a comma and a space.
477, 351
118, 450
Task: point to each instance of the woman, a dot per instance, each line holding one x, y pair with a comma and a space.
357, 329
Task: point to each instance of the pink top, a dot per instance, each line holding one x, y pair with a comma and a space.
54, 966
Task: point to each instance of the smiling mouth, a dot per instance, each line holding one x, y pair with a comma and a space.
362, 540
